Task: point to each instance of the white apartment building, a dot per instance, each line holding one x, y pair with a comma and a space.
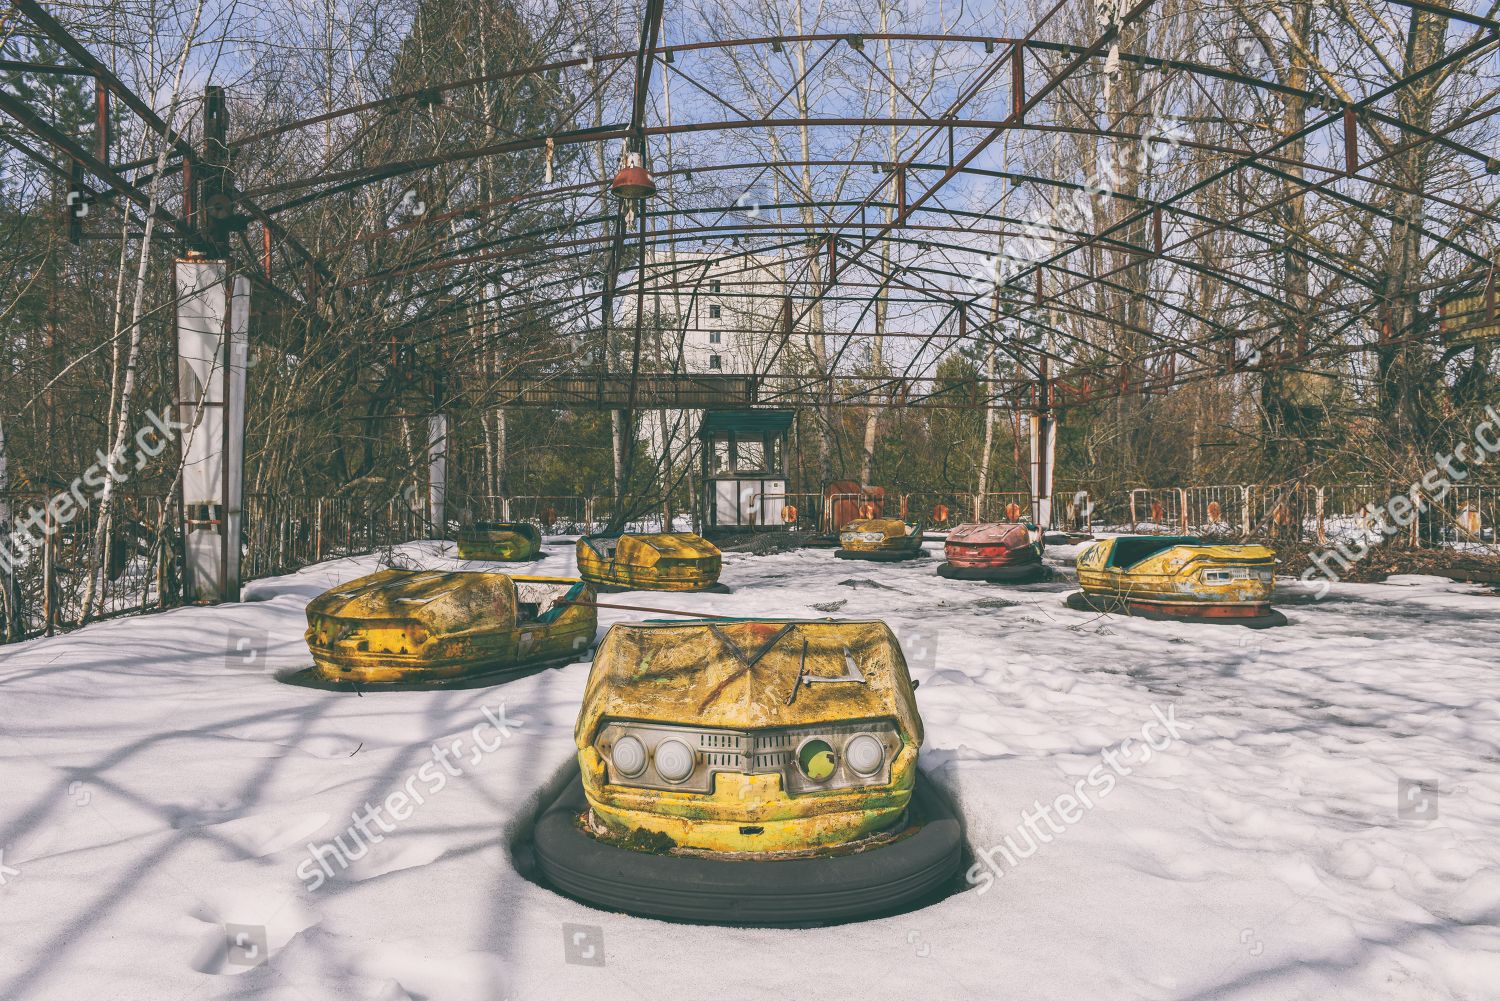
706, 314
713, 314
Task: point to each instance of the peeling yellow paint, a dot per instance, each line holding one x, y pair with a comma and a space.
404, 625
740, 675
502, 541
1174, 574
896, 536
678, 561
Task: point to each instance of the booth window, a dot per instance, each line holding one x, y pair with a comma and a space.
773, 453
721, 462
750, 455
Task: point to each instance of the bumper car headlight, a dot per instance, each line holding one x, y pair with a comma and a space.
674, 760
808, 759
864, 754
628, 756
816, 760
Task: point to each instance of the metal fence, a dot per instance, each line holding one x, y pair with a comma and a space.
43, 590
1463, 515
44, 576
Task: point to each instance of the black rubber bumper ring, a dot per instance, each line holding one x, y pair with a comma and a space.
1029, 573
904, 874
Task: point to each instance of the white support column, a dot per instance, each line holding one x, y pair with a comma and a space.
1043, 454
1043, 449
212, 347
437, 473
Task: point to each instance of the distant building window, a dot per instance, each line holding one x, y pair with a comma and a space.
714, 337
713, 312
714, 361
714, 286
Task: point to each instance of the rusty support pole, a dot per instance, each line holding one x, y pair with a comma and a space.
1017, 83
101, 121
1351, 140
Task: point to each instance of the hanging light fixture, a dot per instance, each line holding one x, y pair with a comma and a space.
633, 182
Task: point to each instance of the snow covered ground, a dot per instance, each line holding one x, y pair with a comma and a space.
1323, 827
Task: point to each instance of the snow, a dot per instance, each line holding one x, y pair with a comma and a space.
161, 784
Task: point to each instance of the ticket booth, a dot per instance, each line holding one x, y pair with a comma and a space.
744, 468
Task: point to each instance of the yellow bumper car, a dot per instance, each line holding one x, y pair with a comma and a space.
1179, 578
415, 628
503, 541
749, 771
675, 561
884, 540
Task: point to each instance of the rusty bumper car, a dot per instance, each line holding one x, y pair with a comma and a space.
1178, 578
1002, 553
502, 541
425, 628
749, 772
883, 540
675, 561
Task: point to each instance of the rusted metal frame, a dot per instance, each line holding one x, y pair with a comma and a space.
615, 57
392, 170
674, 68
39, 159
602, 81
650, 26
965, 95
59, 34
1316, 101
1314, 98
883, 384
1166, 304
1319, 185
1327, 264
1372, 208
1080, 399
871, 303
1028, 42
356, 177
812, 393
807, 72
45, 131
21, 65
987, 326
1363, 306
1017, 114
959, 310
347, 180
896, 86
1184, 262
1307, 130
689, 236
1452, 14
955, 306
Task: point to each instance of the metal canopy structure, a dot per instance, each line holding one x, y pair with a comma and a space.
950, 216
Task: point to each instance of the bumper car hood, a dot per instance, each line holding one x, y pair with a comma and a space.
742, 675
